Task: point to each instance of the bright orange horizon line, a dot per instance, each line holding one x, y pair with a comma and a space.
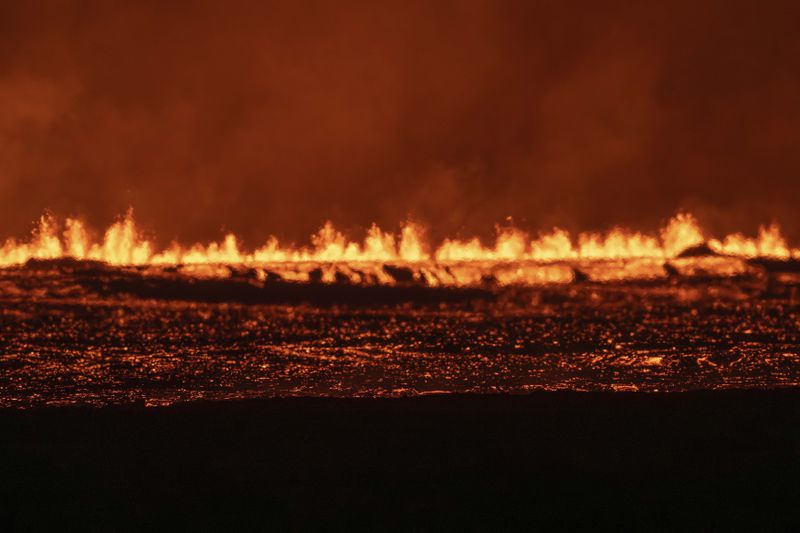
124, 244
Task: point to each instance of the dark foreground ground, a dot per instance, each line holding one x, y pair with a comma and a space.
682, 461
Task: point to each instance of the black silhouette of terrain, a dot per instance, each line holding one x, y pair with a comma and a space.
721, 460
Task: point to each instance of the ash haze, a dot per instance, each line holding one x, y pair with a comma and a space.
269, 118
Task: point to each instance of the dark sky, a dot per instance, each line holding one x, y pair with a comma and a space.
270, 118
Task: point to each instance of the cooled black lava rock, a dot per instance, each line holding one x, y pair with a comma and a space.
399, 274
775, 265
700, 250
65, 263
579, 276
315, 276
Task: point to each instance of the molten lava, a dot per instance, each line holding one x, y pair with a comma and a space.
124, 244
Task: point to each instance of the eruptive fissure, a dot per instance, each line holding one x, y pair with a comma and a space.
124, 244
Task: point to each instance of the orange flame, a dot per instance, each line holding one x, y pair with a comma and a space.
124, 244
